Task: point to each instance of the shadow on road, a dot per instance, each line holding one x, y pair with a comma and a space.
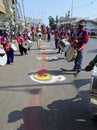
29, 88
92, 51
66, 114
81, 82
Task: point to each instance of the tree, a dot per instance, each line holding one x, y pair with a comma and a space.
52, 22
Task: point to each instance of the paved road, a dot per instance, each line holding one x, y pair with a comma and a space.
29, 105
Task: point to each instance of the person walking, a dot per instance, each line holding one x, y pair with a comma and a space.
5, 41
80, 40
48, 34
20, 40
63, 35
56, 38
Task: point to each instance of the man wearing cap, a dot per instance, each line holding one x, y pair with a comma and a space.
79, 43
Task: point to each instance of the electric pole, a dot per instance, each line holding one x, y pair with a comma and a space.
72, 9
23, 11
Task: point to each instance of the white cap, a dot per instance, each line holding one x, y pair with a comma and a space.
39, 29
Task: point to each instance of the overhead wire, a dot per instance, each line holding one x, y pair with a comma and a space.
84, 5
92, 2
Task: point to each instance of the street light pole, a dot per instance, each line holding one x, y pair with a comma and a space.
23, 11
72, 9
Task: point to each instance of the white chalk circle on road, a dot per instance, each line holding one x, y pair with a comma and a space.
53, 79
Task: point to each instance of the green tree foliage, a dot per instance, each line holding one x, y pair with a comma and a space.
52, 22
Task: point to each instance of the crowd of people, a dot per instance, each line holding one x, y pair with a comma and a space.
21, 37
76, 36
6, 42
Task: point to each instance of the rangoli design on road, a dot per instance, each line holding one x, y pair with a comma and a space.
46, 78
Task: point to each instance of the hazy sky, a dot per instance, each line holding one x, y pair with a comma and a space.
45, 8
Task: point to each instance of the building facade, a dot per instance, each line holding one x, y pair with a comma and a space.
91, 25
2, 14
2, 7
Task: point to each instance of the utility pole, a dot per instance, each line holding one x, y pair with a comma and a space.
23, 11
72, 9
57, 21
20, 11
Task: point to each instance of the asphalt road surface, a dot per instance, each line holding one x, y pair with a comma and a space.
60, 104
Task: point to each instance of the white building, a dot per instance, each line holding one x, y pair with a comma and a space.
30, 20
2, 13
91, 25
